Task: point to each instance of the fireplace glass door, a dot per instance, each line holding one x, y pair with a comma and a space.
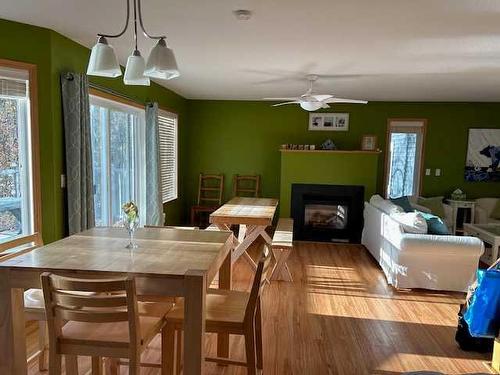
325, 216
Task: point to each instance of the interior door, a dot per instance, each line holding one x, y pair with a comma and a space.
404, 157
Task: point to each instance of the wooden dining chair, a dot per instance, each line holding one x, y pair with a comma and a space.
227, 311
106, 324
246, 186
210, 192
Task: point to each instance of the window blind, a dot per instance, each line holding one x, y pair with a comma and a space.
13, 82
167, 124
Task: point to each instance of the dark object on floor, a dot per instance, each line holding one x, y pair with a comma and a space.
466, 341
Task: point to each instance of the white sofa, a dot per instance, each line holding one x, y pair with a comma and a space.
447, 263
483, 209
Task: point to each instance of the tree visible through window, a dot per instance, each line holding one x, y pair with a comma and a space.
404, 160
16, 195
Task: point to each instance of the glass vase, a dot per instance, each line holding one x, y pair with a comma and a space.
131, 226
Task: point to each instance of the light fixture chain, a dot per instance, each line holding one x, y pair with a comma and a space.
135, 24
124, 28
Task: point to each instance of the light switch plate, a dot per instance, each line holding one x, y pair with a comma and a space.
428, 172
438, 172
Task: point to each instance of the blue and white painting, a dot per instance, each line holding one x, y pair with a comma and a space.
483, 155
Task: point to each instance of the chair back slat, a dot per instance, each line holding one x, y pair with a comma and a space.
90, 285
98, 300
263, 268
108, 316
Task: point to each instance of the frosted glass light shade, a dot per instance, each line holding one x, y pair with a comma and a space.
134, 71
103, 62
311, 106
161, 62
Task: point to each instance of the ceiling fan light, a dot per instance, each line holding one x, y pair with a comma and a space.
103, 62
311, 106
134, 71
161, 62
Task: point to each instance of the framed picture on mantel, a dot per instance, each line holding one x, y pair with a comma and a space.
369, 142
338, 122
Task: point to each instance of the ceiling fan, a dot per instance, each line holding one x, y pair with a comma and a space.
312, 102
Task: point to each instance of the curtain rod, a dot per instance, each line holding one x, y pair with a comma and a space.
115, 93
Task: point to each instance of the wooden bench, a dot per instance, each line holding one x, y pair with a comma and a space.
282, 246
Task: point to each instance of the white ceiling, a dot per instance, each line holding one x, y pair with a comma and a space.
408, 50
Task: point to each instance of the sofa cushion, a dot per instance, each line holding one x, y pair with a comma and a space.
384, 205
435, 204
435, 225
404, 203
412, 222
495, 213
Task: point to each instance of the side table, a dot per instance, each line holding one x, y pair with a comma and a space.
456, 205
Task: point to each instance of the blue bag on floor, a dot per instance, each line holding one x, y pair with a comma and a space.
483, 312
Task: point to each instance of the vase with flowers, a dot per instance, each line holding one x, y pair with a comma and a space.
130, 222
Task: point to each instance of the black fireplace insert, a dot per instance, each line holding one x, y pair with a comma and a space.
327, 213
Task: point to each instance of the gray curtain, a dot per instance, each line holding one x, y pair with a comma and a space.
76, 117
154, 205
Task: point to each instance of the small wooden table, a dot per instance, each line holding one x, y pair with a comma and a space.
168, 262
253, 215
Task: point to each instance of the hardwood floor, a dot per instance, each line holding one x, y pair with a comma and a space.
339, 316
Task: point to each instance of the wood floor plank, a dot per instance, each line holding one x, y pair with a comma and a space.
339, 316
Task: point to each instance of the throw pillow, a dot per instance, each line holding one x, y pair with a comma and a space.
412, 222
435, 225
495, 214
404, 203
435, 204
384, 205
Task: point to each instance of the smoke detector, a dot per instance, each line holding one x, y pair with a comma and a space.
242, 14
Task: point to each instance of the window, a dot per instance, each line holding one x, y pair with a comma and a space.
167, 123
404, 157
118, 159
19, 187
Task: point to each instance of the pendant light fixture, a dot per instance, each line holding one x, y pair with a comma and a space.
161, 62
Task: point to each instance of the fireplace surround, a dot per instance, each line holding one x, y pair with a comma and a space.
327, 213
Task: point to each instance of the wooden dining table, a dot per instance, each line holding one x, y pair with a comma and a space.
167, 262
253, 215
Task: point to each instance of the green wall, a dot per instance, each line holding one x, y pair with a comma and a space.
329, 168
54, 53
244, 137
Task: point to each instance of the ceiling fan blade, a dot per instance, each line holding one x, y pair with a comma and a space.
285, 103
321, 98
343, 100
325, 105
279, 99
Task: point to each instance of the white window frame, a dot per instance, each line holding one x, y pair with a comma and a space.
175, 194
139, 179
30, 168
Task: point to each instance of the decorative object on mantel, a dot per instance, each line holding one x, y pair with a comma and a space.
483, 155
329, 122
458, 195
161, 62
328, 145
369, 143
297, 147
313, 102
